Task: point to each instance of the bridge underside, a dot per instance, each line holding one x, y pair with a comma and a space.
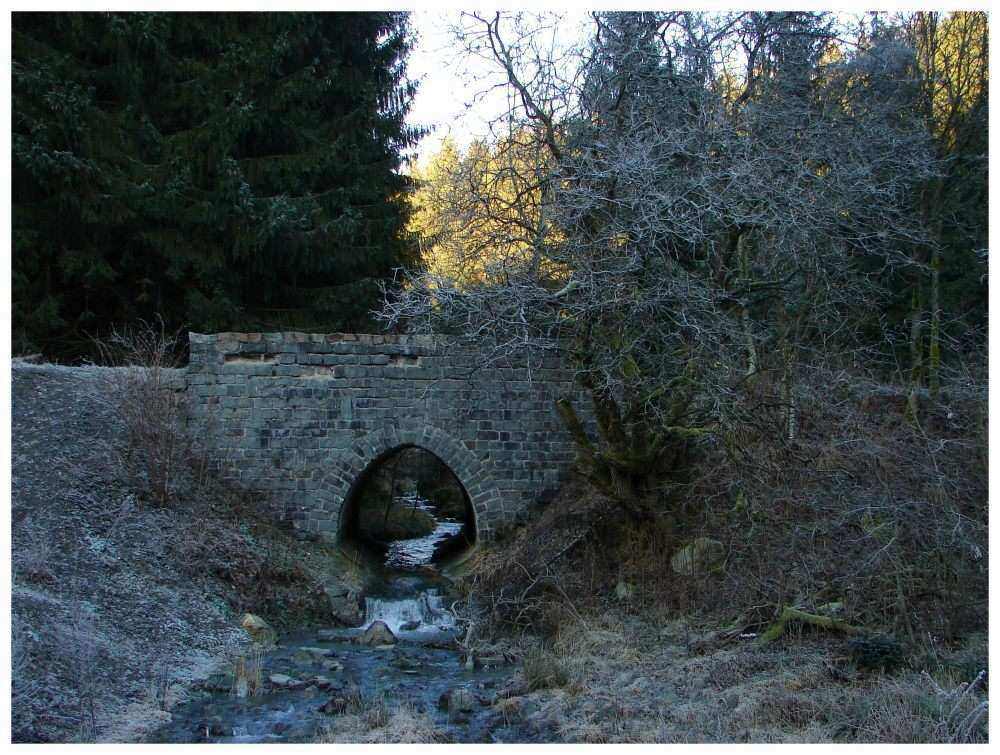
300, 417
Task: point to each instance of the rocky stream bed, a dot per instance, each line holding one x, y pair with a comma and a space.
404, 653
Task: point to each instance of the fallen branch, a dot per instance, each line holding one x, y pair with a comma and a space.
794, 614
579, 538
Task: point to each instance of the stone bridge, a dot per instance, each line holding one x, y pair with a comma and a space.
301, 417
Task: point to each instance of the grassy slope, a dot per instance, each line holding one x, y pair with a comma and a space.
885, 519
625, 677
650, 664
118, 606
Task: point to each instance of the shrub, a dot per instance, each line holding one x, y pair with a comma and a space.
542, 669
917, 709
156, 455
876, 652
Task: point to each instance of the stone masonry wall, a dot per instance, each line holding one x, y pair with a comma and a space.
301, 416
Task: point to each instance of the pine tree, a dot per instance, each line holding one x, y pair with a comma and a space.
221, 170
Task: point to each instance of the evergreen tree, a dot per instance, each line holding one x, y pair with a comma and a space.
221, 170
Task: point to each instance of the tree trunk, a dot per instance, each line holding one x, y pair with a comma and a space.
934, 347
752, 360
916, 352
788, 395
790, 614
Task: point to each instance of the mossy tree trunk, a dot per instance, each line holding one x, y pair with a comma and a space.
631, 454
790, 614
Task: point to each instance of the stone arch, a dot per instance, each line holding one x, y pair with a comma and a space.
350, 467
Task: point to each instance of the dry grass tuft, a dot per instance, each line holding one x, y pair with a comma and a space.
916, 709
375, 720
544, 669
247, 675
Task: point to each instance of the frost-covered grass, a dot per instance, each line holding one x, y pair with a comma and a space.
120, 602
640, 680
378, 720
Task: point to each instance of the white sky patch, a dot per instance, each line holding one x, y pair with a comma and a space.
454, 98
459, 94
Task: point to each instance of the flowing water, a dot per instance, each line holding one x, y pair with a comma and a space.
417, 552
328, 668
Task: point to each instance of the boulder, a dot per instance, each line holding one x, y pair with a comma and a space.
258, 629
307, 655
701, 556
346, 605
220, 682
319, 652
516, 686
409, 626
283, 680
404, 663
377, 634
836, 608
401, 521
457, 700
623, 590
335, 705
213, 727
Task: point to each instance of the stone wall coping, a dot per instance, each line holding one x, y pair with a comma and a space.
235, 343
297, 337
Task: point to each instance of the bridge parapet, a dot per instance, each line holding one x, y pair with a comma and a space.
301, 416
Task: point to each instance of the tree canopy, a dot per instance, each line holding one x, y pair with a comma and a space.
220, 170
702, 207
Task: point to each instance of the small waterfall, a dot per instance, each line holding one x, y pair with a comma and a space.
408, 603
427, 609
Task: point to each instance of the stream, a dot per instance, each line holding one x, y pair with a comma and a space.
312, 677
404, 555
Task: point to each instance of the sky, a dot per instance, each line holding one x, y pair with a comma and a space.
452, 84
444, 97
450, 95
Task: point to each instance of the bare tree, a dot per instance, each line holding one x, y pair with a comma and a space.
696, 228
